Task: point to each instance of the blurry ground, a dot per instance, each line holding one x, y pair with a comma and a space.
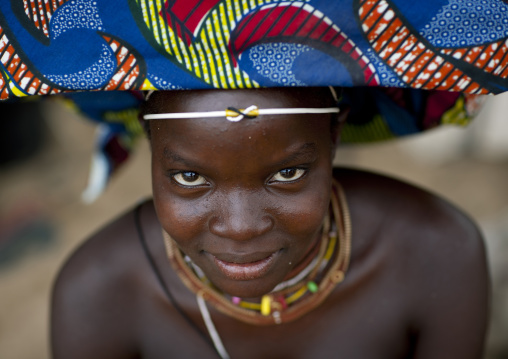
42, 218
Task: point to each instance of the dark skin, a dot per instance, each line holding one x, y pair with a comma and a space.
417, 285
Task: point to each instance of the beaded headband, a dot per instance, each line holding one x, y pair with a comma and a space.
234, 115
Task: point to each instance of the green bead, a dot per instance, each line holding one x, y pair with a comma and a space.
313, 287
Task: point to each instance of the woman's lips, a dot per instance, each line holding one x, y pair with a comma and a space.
247, 270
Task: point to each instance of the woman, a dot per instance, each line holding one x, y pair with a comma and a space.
253, 246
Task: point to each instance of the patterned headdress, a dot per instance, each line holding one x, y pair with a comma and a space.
384, 52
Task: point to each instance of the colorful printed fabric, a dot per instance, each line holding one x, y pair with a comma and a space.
382, 52
54, 46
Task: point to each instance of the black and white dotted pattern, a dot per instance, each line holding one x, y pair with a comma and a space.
468, 23
75, 14
93, 77
275, 62
162, 84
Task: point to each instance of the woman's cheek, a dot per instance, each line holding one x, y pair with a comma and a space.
303, 215
182, 219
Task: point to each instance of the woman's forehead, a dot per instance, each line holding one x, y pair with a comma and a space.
263, 130
216, 100
261, 140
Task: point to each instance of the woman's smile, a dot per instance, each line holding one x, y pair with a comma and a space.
245, 267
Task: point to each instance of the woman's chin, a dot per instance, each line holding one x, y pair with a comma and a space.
248, 288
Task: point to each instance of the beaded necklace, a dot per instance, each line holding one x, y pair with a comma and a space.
287, 292
290, 299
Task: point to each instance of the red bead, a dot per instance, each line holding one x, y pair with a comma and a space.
282, 302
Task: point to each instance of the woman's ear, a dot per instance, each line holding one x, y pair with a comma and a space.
337, 127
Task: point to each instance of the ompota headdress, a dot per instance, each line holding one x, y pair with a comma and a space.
382, 52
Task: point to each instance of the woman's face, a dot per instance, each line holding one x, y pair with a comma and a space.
245, 201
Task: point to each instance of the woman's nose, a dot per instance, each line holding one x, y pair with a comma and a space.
240, 216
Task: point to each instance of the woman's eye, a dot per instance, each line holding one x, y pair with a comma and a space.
189, 179
288, 174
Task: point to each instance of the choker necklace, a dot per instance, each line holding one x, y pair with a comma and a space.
292, 298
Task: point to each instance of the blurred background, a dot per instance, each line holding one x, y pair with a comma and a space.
44, 164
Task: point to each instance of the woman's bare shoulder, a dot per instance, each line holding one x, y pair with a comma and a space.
94, 295
429, 252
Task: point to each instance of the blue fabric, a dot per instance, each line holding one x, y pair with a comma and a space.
73, 44
381, 52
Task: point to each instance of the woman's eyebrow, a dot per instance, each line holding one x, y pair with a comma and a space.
305, 152
175, 157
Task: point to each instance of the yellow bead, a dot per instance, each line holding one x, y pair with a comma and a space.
266, 305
